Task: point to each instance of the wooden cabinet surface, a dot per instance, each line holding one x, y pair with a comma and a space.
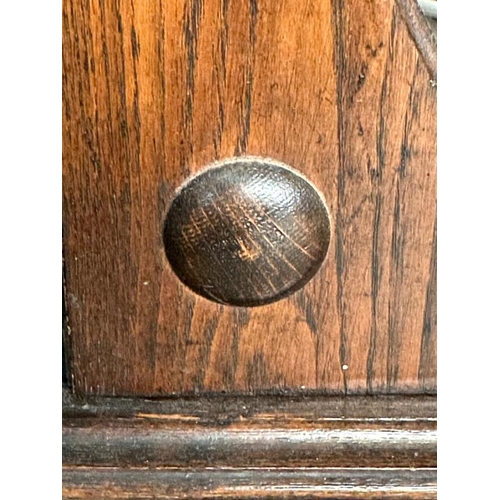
154, 92
344, 93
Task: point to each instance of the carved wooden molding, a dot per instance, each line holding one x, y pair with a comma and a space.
114, 447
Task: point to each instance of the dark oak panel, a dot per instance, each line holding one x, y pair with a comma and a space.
154, 91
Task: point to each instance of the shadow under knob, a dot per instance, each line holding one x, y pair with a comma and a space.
246, 232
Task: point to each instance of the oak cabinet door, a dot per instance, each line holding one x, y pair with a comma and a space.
156, 92
249, 211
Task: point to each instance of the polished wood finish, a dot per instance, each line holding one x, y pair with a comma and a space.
156, 90
238, 484
249, 447
232, 407
251, 432
247, 232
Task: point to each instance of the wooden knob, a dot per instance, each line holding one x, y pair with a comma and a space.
246, 232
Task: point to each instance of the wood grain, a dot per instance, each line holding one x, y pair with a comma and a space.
249, 447
153, 92
423, 31
312, 484
247, 232
230, 408
251, 432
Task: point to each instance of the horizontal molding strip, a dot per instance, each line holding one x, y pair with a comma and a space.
251, 431
317, 483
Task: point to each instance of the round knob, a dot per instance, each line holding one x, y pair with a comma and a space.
246, 232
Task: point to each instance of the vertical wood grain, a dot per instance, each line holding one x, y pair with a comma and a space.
154, 91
